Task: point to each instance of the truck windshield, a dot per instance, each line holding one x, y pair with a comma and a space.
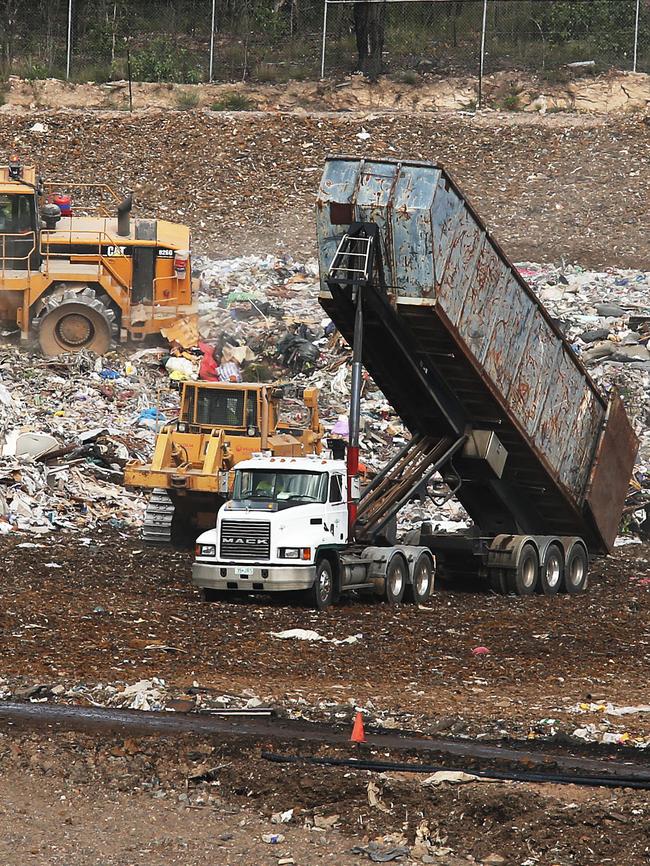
291, 488
220, 408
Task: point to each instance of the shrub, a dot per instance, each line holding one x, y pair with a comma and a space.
233, 102
163, 60
186, 100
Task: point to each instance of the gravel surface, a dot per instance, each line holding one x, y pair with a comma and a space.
564, 186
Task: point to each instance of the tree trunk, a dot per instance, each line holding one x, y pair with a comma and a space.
369, 29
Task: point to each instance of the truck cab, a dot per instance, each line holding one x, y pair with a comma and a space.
285, 513
286, 529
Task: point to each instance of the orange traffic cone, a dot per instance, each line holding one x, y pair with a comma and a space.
358, 734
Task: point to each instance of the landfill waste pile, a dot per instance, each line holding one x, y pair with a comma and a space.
69, 425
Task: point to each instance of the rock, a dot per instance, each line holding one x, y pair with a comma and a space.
610, 311
631, 339
595, 335
419, 850
600, 350
30, 691
631, 353
325, 823
57, 690
493, 860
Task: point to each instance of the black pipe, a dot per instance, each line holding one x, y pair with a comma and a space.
124, 215
501, 775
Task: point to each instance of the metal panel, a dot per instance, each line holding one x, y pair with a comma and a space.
459, 272
412, 232
507, 313
610, 476
437, 249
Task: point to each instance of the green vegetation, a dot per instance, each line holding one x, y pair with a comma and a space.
233, 102
164, 60
186, 100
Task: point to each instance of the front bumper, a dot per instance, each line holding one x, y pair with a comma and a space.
278, 577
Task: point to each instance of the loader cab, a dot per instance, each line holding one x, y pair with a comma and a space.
19, 230
224, 405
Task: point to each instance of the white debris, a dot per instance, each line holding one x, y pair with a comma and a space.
309, 635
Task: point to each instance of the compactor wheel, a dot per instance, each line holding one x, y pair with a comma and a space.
74, 319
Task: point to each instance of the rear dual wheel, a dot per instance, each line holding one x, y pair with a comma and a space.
522, 580
550, 576
421, 588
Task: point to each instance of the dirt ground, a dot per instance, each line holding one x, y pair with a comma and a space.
92, 619
560, 187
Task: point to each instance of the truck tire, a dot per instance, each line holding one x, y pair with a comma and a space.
498, 581
576, 570
207, 594
321, 594
396, 577
551, 573
523, 579
420, 590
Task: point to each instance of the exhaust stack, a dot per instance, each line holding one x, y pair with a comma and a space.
124, 215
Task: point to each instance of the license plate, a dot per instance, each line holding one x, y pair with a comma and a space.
244, 572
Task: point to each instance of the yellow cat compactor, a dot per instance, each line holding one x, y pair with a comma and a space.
78, 272
219, 425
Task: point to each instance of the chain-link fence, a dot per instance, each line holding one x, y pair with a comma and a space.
537, 35
279, 40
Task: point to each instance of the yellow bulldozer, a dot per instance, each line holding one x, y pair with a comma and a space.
77, 272
219, 424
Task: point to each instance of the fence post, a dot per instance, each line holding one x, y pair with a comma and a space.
322, 59
214, 13
482, 60
69, 45
636, 35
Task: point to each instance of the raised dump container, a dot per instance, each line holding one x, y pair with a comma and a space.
457, 340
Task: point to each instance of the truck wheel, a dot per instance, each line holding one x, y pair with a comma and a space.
498, 581
576, 570
552, 571
523, 579
321, 594
395, 580
208, 595
419, 591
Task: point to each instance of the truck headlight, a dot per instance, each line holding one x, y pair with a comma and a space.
295, 553
205, 550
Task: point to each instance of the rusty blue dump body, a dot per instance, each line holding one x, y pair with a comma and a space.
472, 320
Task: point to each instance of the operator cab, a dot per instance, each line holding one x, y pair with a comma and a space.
19, 247
231, 407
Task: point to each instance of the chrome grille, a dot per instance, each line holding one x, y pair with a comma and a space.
244, 539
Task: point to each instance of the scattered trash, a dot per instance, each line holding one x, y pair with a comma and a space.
454, 777
273, 838
282, 817
480, 651
309, 635
382, 853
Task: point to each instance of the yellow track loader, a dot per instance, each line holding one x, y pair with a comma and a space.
78, 272
219, 424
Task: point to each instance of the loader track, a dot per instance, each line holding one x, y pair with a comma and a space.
158, 518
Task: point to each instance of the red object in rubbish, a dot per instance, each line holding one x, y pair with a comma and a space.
208, 369
64, 203
358, 733
480, 651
